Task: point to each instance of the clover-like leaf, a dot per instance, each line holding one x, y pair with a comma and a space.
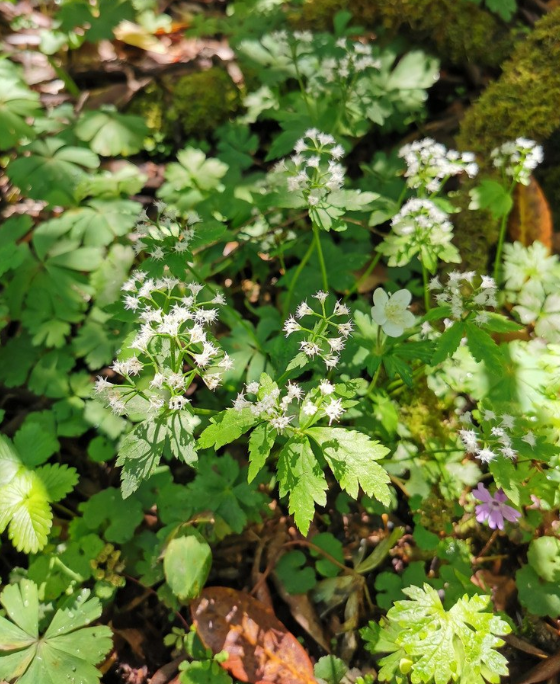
110, 133
68, 650
50, 170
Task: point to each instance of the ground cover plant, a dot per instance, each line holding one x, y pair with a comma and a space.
269, 413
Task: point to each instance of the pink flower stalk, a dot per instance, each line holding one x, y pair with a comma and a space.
493, 508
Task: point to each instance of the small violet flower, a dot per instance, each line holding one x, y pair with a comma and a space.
493, 508
391, 311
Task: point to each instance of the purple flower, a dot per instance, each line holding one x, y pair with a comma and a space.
493, 508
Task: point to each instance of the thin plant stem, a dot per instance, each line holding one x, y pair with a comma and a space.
501, 239
297, 274
322, 265
426, 290
363, 277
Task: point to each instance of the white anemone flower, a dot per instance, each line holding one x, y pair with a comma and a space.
391, 311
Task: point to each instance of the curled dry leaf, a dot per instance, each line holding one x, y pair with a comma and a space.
260, 648
530, 218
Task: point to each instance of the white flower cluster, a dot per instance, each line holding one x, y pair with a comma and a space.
430, 164
497, 434
172, 342
328, 337
167, 234
518, 159
463, 297
349, 60
313, 170
295, 405
420, 227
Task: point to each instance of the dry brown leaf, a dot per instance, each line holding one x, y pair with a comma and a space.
260, 648
530, 218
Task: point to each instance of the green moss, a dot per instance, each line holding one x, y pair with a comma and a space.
194, 104
457, 30
525, 100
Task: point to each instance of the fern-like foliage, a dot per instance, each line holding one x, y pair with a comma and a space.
26, 492
428, 644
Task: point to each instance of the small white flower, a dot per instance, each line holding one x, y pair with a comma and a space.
469, 439
309, 409
131, 302
281, 422
508, 422
334, 410
321, 296
340, 310
253, 387
240, 402
177, 403
529, 438
291, 326
326, 388
294, 391
485, 455
102, 385
303, 310
309, 348
391, 312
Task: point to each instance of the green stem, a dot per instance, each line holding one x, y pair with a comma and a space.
297, 274
501, 239
322, 265
363, 277
378, 351
426, 290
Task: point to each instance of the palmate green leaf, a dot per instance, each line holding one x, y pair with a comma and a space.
68, 650
51, 171
351, 456
96, 223
292, 571
98, 20
192, 178
538, 596
226, 427
110, 133
221, 486
440, 646
36, 440
301, 477
108, 514
493, 196
17, 102
125, 181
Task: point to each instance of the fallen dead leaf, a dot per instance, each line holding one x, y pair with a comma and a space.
260, 648
530, 218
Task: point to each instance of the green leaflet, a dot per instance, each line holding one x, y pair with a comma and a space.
351, 456
226, 427
26, 493
301, 477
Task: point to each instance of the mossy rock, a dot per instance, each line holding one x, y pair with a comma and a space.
190, 105
457, 30
524, 101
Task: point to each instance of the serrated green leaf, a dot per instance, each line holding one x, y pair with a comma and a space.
448, 342
17, 103
140, 453
352, 457
260, 443
58, 480
482, 346
226, 427
180, 426
301, 477
107, 513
